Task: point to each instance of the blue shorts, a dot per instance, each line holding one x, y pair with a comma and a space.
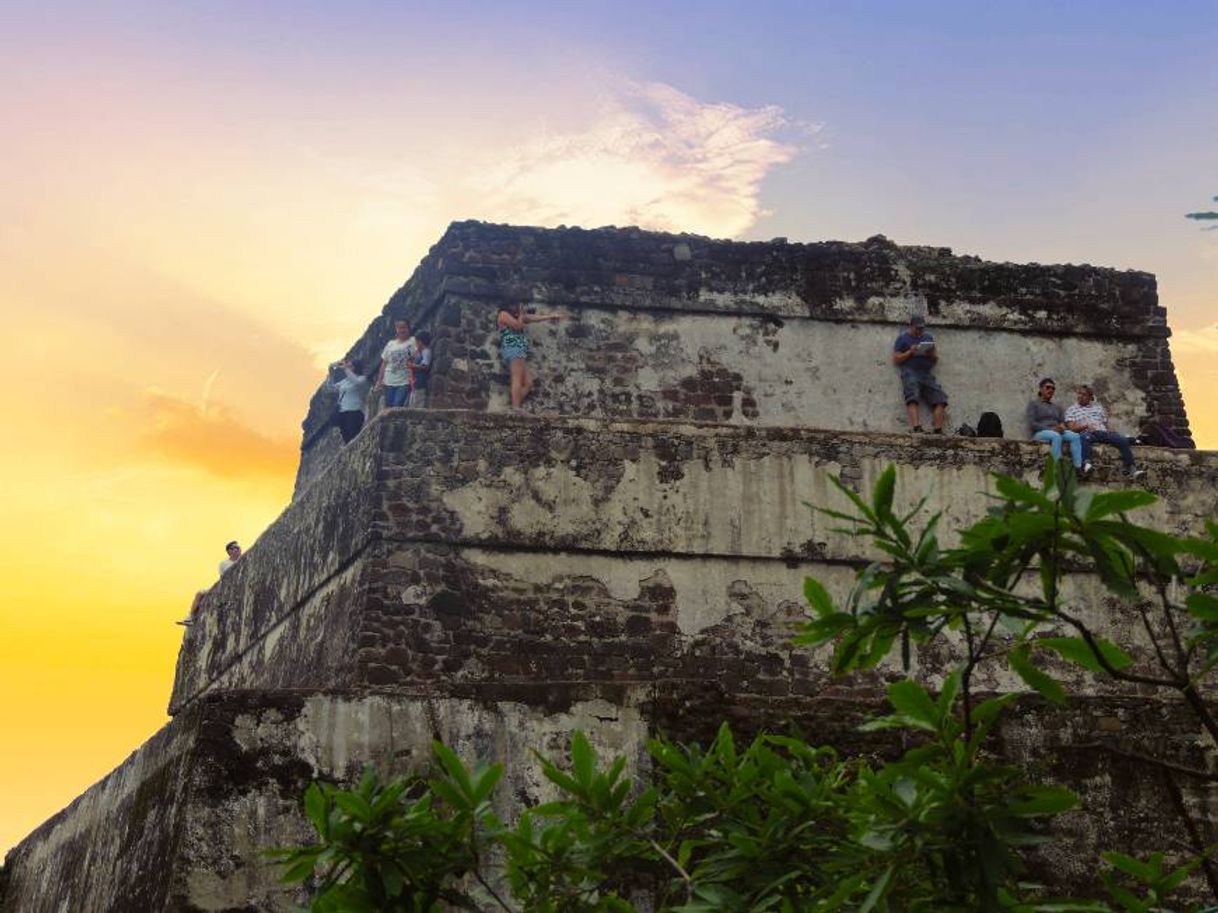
510, 351
916, 385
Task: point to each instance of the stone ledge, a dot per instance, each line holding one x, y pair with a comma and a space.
451, 497
735, 304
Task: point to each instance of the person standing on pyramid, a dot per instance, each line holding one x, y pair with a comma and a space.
915, 356
420, 370
394, 373
351, 390
514, 347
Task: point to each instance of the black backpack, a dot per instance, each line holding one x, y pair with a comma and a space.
989, 425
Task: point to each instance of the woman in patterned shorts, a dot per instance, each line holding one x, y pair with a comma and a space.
514, 347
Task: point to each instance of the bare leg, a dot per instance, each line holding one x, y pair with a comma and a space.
519, 373
528, 379
940, 412
912, 410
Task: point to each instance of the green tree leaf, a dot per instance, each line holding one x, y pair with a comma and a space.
912, 701
354, 805
1043, 684
881, 495
1111, 502
1043, 801
1079, 652
316, 809
818, 597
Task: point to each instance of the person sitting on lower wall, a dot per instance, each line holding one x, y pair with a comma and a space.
233, 550
1047, 423
1090, 420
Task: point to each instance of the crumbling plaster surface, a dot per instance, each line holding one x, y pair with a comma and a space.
302, 556
711, 504
455, 618
800, 372
115, 848
719, 490
244, 759
182, 826
705, 593
333, 737
688, 328
750, 508
308, 645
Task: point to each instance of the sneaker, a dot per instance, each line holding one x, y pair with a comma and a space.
1134, 474
938, 431
185, 622
918, 429
1087, 467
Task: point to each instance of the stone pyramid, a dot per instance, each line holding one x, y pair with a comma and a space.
624, 557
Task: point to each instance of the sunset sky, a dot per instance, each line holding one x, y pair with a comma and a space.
203, 203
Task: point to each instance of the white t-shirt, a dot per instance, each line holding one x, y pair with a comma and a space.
1092, 416
397, 356
226, 564
351, 391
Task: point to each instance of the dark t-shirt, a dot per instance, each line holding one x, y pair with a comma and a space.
905, 342
419, 378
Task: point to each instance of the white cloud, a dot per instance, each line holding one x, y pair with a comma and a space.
1201, 341
653, 157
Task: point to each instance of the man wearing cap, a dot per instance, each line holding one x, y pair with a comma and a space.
915, 356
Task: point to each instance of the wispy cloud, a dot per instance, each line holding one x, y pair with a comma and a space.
210, 437
1195, 341
654, 157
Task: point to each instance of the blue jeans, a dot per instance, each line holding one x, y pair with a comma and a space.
396, 396
1119, 441
1055, 438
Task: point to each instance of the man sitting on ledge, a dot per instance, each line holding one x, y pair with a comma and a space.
234, 552
1091, 421
1046, 422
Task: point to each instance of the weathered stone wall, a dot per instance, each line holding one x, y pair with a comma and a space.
682, 327
182, 825
632, 563
752, 370
308, 555
510, 549
116, 847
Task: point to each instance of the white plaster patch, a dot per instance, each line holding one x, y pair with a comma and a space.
838, 374
787, 303
752, 507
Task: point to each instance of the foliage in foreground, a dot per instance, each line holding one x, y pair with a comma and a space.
780, 825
